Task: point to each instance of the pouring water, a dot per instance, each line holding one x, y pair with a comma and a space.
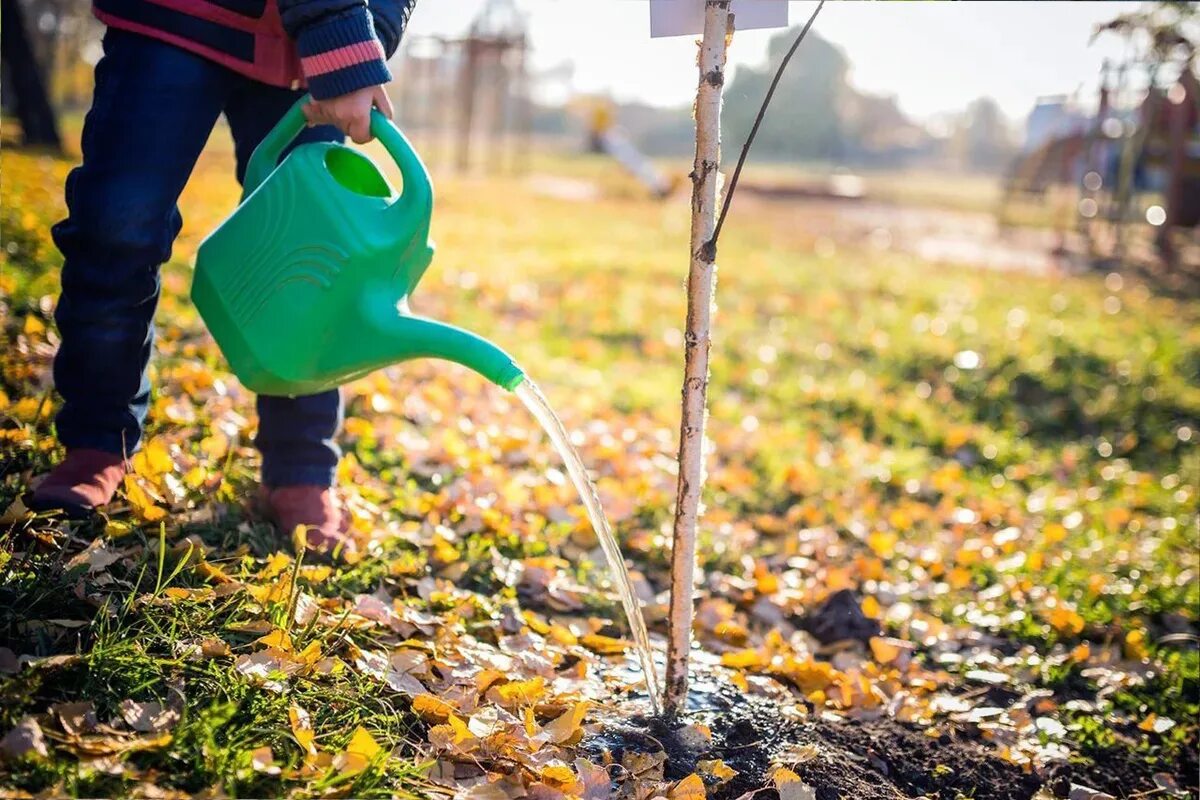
535, 401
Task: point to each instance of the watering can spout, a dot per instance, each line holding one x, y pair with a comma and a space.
399, 336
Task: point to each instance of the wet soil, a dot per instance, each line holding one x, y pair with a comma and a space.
845, 760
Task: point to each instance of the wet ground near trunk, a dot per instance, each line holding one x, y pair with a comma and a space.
849, 760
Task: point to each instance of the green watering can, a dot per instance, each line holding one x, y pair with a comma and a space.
306, 285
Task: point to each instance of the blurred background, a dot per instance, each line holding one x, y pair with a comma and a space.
1011, 135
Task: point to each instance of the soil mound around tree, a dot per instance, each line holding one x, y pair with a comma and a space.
838, 759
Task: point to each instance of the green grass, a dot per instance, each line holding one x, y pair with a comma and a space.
988, 447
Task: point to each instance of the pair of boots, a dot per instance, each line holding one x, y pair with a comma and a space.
86, 481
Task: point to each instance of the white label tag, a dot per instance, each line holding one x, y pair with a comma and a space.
686, 17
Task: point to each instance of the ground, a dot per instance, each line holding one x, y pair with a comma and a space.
949, 547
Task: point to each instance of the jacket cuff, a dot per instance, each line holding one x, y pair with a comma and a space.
341, 54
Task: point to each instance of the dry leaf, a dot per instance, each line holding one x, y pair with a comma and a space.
302, 730
360, 751
566, 726
690, 788
24, 740
76, 718
717, 770
790, 786
148, 717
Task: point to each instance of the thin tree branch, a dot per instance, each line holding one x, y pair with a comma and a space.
762, 112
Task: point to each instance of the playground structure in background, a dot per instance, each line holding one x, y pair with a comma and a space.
466, 101
605, 137
1129, 162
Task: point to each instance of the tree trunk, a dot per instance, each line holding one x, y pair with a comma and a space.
697, 341
38, 125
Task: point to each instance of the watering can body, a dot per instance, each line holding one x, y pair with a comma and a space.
306, 285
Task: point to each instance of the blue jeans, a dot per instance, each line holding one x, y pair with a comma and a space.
154, 108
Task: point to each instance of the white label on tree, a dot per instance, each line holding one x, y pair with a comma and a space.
686, 17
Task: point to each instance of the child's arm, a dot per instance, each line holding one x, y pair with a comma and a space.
343, 59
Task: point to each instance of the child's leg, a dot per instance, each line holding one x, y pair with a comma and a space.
295, 435
153, 110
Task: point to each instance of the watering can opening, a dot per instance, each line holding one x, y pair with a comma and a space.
305, 285
354, 171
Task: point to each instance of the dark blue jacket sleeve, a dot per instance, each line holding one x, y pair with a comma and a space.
344, 44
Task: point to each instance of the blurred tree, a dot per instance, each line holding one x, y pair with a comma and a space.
805, 120
39, 126
982, 139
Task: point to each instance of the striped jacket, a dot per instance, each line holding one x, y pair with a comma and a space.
332, 46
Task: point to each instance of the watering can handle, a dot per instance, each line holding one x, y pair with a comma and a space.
416, 197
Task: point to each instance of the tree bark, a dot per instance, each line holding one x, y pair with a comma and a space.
38, 124
697, 342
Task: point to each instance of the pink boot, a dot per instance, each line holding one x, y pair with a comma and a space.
85, 481
318, 510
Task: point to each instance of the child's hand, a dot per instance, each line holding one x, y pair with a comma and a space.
351, 112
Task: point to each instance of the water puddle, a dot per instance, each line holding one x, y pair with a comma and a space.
535, 401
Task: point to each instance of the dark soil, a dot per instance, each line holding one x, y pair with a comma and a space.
876, 760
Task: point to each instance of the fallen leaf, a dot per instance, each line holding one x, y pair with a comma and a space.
25, 740
595, 783
1156, 724
97, 556
143, 506
604, 645
518, 693
360, 751
716, 770
262, 760
302, 730
690, 788
558, 776
790, 786
566, 725
76, 718
148, 717
432, 708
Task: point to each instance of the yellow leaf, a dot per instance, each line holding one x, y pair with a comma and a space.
153, 460
360, 751
530, 722
143, 506
33, 325
1081, 653
213, 572
1135, 645
1066, 621
518, 693
870, 607
302, 730
567, 724
783, 776
884, 651
429, 707
277, 638
690, 788
558, 776
115, 529
275, 565
959, 578
604, 645
882, 543
742, 659
315, 573
309, 655
459, 731
1156, 724
717, 770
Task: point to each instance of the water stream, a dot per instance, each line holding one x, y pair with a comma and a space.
535, 401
